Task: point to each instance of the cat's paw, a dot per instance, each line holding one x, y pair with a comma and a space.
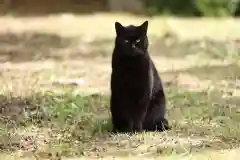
163, 125
160, 126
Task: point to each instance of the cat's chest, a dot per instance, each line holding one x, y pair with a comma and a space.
132, 70
135, 76
134, 64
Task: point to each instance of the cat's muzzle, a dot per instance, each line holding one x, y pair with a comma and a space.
137, 50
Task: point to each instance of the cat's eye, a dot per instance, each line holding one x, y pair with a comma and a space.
126, 41
138, 40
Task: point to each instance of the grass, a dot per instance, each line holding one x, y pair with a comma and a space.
55, 95
74, 125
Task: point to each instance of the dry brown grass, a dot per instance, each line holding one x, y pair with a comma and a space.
42, 57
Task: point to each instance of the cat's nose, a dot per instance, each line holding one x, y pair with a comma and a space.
133, 46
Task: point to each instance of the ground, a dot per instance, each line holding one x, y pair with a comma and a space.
54, 82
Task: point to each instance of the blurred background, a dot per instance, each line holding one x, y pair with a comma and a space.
88, 24
63, 31
70, 30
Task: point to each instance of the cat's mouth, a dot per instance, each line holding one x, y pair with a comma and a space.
137, 49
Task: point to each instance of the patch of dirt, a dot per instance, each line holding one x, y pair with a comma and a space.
86, 75
192, 83
90, 75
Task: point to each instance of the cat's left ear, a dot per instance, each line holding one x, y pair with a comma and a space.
144, 27
118, 27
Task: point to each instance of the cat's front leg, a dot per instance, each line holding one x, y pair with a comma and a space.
138, 121
129, 126
137, 126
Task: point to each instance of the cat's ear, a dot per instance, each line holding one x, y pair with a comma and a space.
118, 27
144, 27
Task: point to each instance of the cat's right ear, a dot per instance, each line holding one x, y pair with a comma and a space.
118, 27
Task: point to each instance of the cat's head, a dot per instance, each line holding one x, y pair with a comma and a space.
132, 39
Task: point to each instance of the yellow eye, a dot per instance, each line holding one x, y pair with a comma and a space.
126, 41
138, 40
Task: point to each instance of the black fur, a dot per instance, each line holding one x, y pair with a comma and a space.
137, 98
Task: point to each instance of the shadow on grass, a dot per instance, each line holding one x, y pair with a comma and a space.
32, 46
214, 73
75, 125
169, 46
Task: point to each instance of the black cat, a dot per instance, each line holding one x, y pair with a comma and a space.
137, 98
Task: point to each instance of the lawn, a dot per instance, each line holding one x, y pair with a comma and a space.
54, 80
